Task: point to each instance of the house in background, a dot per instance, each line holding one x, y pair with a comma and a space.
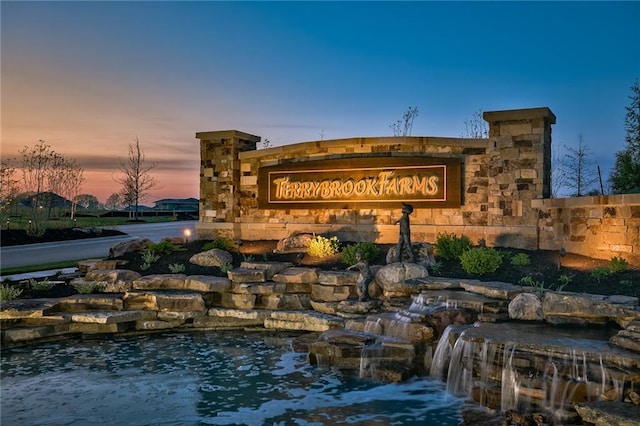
180, 207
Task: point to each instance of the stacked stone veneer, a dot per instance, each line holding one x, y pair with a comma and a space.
598, 227
501, 176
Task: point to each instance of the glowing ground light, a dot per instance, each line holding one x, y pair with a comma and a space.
187, 234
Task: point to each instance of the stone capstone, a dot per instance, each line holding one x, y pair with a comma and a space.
213, 257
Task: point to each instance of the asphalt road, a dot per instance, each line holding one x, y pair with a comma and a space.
38, 254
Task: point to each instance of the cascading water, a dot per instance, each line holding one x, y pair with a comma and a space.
525, 367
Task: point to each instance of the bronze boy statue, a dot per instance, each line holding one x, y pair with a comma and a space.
404, 241
365, 276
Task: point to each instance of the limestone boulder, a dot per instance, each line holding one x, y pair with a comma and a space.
207, 283
423, 254
270, 268
297, 275
123, 247
302, 320
294, 243
213, 257
582, 308
527, 307
161, 282
391, 278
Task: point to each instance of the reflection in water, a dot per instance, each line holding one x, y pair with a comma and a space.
202, 378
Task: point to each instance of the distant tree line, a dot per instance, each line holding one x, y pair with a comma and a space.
44, 181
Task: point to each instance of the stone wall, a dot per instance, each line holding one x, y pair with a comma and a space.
599, 227
501, 176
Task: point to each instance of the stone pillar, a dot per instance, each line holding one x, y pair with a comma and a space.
519, 164
220, 180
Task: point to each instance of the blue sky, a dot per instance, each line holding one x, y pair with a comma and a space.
88, 77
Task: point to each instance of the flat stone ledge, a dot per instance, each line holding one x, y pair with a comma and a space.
297, 275
207, 284
26, 308
270, 268
107, 317
494, 289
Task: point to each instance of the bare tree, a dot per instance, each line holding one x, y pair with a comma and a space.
9, 188
114, 201
580, 171
404, 126
136, 181
72, 180
475, 127
558, 177
37, 162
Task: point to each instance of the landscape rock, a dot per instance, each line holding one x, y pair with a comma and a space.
297, 275
119, 249
213, 257
294, 243
391, 278
423, 254
526, 306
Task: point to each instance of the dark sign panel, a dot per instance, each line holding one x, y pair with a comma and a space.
364, 182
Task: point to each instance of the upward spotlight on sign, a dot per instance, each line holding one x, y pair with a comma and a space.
363, 182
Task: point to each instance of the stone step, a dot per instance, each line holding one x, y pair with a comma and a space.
302, 320
89, 302
247, 275
270, 268
297, 275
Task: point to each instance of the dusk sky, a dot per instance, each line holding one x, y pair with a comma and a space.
90, 77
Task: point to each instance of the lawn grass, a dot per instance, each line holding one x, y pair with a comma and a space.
5, 272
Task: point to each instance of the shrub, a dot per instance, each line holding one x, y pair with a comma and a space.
226, 267
436, 268
176, 268
8, 292
480, 261
323, 247
219, 243
90, 287
449, 246
537, 287
164, 247
43, 285
618, 265
370, 252
149, 257
563, 281
600, 272
520, 259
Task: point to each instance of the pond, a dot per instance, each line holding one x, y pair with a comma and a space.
205, 378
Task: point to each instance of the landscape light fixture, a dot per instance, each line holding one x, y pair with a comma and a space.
187, 234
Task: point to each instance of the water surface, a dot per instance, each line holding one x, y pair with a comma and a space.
210, 378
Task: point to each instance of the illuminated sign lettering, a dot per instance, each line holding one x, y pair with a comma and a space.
361, 183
